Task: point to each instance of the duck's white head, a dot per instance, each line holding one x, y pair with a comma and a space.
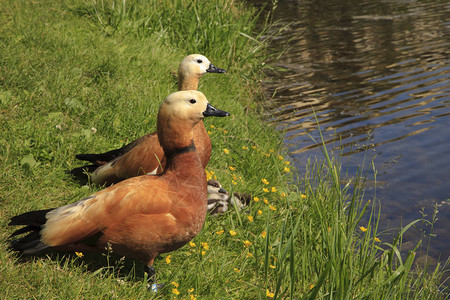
179, 113
197, 65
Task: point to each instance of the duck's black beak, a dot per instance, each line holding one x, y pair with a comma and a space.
211, 111
213, 69
223, 191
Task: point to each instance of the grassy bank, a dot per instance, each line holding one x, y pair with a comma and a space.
88, 76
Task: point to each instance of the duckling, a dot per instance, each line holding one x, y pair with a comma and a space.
140, 217
145, 155
219, 199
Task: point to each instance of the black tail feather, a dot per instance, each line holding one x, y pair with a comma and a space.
31, 243
102, 158
34, 218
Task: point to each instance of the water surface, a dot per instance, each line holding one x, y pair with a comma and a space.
376, 74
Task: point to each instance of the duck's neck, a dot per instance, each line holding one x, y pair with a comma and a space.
189, 82
185, 163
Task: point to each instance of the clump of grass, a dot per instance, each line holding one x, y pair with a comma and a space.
89, 76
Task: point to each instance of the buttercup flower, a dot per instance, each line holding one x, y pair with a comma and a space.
205, 246
168, 259
274, 189
269, 294
287, 170
264, 181
232, 168
265, 190
247, 243
259, 212
280, 157
256, 199
264, 234
192, 244
250, 218
362, 228
272, 207
232, 232
303, 196
377, 240
175, 284
175, 291
220, 232
245, 147
226, 150
79, 254
266, 201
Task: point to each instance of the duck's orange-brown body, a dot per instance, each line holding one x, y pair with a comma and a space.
145, 155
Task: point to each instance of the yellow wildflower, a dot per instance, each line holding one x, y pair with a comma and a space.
212, 126
280, 157
266, 201
203, 252
247, 243
250, 218
175, 291
272, 207
274, 189
209, 174
269, 294
232, 232
267, 154
259, 212
271, 150
362, 228
168, 259
190, 290
377, 240
234, 182
287, 162
175, 284
303, 196
193, 297
311, 286
256, 199
79, 254
205, 245
249, 255
209, 132
226, 150
192, 244
254, 147
237, 270
232, 168
245, 147
287, 170
224, 131
272, 266
264, 234
264, 181
283, 195
265, 190
220, 232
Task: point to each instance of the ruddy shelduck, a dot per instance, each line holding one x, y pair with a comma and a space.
140, 217
145, 155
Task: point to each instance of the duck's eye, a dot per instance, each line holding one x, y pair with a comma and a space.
193, 101
199, 61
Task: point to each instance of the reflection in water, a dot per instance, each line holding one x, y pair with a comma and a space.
376, 75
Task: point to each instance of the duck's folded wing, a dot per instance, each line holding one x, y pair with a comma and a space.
105, 209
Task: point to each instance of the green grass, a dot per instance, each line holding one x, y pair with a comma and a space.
67, 67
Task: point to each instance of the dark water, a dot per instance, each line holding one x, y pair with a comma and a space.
377, 75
